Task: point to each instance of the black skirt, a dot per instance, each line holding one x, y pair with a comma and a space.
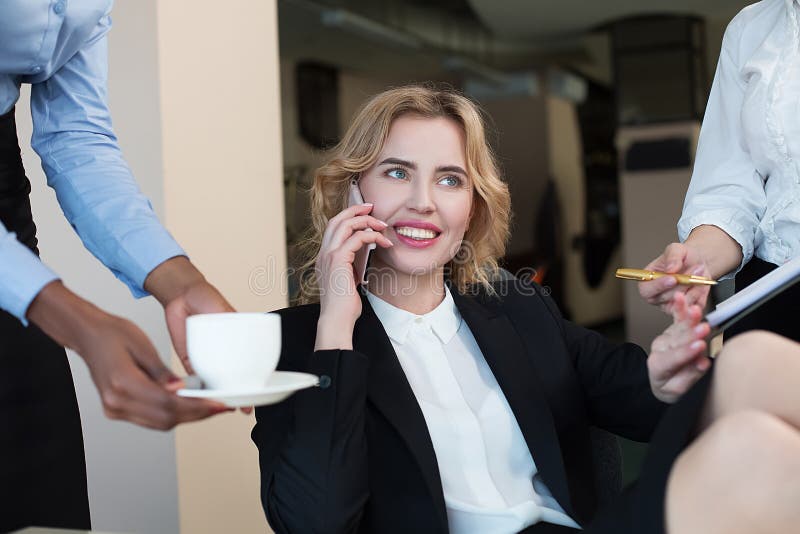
780, 314
42, 464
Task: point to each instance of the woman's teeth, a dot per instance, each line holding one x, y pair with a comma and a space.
416, 233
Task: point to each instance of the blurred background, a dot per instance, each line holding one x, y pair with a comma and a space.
225, 110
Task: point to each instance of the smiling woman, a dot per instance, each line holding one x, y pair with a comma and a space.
426, 201
450, 402
377, 149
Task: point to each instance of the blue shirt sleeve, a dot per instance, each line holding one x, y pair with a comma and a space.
22, 275
73, 136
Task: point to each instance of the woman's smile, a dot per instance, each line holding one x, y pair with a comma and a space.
417, 234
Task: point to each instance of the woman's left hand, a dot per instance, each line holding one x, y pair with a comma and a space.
678, 356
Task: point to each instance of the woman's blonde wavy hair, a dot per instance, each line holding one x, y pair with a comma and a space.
484, 242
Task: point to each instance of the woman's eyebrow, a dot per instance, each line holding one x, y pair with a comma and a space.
398, 161
451, 168
412, 165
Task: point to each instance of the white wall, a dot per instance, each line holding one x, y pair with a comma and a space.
221, 133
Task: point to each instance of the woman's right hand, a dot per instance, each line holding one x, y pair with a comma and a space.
340, 303
133, 382
676, 258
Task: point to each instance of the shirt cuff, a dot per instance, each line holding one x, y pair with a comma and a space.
22, 276
144, 251
730, 222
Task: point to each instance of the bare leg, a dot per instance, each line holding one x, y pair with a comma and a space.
742, 474
756, 371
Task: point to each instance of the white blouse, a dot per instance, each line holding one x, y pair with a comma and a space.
488, 475
746, 177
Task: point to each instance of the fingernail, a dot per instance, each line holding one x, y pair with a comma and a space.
367, 204
700, 329
670, 281
698, 270
702, 365
696, 345
383, 222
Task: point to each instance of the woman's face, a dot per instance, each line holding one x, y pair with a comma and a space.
419, 186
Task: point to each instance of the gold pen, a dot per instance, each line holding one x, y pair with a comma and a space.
645, 276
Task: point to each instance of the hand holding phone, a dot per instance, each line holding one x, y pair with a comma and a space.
363, 255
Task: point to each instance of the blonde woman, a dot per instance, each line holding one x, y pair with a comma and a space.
448, 401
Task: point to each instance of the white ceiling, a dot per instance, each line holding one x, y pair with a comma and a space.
538, 19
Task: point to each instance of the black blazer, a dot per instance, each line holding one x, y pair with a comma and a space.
356, 455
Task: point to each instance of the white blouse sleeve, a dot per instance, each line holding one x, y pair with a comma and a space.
725, 190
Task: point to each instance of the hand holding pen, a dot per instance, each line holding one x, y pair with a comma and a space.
678, 260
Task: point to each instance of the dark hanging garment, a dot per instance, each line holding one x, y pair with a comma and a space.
780, 314
42, 464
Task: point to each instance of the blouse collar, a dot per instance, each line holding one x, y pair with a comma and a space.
444, 319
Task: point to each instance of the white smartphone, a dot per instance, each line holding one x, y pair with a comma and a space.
363, 255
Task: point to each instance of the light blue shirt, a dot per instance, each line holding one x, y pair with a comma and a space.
60, 48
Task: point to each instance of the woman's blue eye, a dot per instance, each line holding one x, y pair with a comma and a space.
400, 174
451, 181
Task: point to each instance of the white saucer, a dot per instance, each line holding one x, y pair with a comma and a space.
280, 385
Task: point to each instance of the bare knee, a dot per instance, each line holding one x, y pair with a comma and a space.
751, 348
741, 475
744, 435
746, 370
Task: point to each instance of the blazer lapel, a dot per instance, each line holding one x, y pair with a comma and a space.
512, 367
391, 393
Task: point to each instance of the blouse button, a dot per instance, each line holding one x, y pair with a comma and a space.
59, 8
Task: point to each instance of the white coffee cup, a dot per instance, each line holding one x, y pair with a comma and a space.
234, 351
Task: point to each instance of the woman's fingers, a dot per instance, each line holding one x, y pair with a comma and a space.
347, 227
337, 274
360, 238
681, 358
680, 309
347, 213
685, 378
671, 260
674, 257
698, 295
143, 402
684, 311
658, 291
344, 255
677, 349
